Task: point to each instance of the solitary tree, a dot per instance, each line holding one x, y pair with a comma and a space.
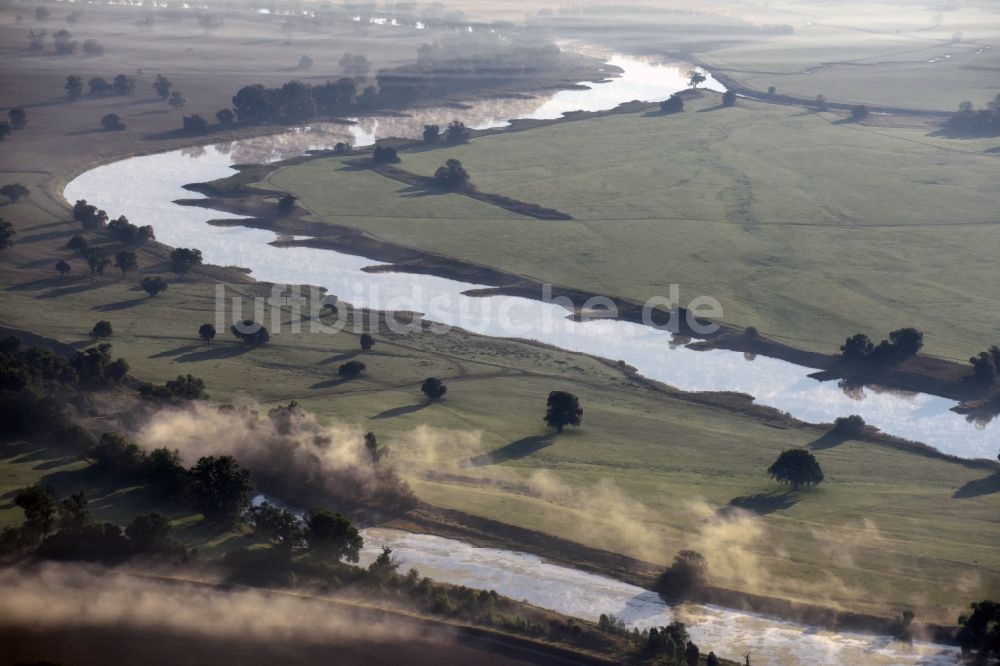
250, 332
796, 467
280, 526
184, 259
112, 122
74, 86
375, 452
194, 124
452, 175
906, 342
332, 535
849, 426
98, 86
351, 369
432, 133
162, 86
691, 654
102, 329
286, 204
711, 660
673, 104
18, 118
14, 191
696, 78
385, 155
367, 342
125, 262
39, 508
154, 285
123, 84
62, 267
563, 410
177, 100
7, 234
226, 117
433, 388
220, 488
206, 332
456, 133
857, 347
859, 112
821, 103
97, 259
78, 244
729, 98
5, 130
687, 575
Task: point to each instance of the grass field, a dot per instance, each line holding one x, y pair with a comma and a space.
823, 228
645, 476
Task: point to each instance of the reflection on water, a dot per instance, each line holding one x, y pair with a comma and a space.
727, 632
644, 80
125, 188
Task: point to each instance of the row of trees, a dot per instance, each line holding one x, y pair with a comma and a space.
969, 120
36, 367
903, 344
63, 43
65, 530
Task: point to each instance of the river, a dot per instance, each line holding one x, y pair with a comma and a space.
143, 189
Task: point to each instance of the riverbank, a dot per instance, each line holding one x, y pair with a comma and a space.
240, 195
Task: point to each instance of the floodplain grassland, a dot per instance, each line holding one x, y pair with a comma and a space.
802, 225
650, 471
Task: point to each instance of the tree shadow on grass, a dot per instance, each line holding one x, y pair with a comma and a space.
761, 503
412, 191
331, 383
69, 291
979, 487
827, 440
513, 451
214, 353
338, 358
401, 411
120, 305
717, 107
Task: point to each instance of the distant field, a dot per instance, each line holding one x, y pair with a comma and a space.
876, 52
644, 476
803, 226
